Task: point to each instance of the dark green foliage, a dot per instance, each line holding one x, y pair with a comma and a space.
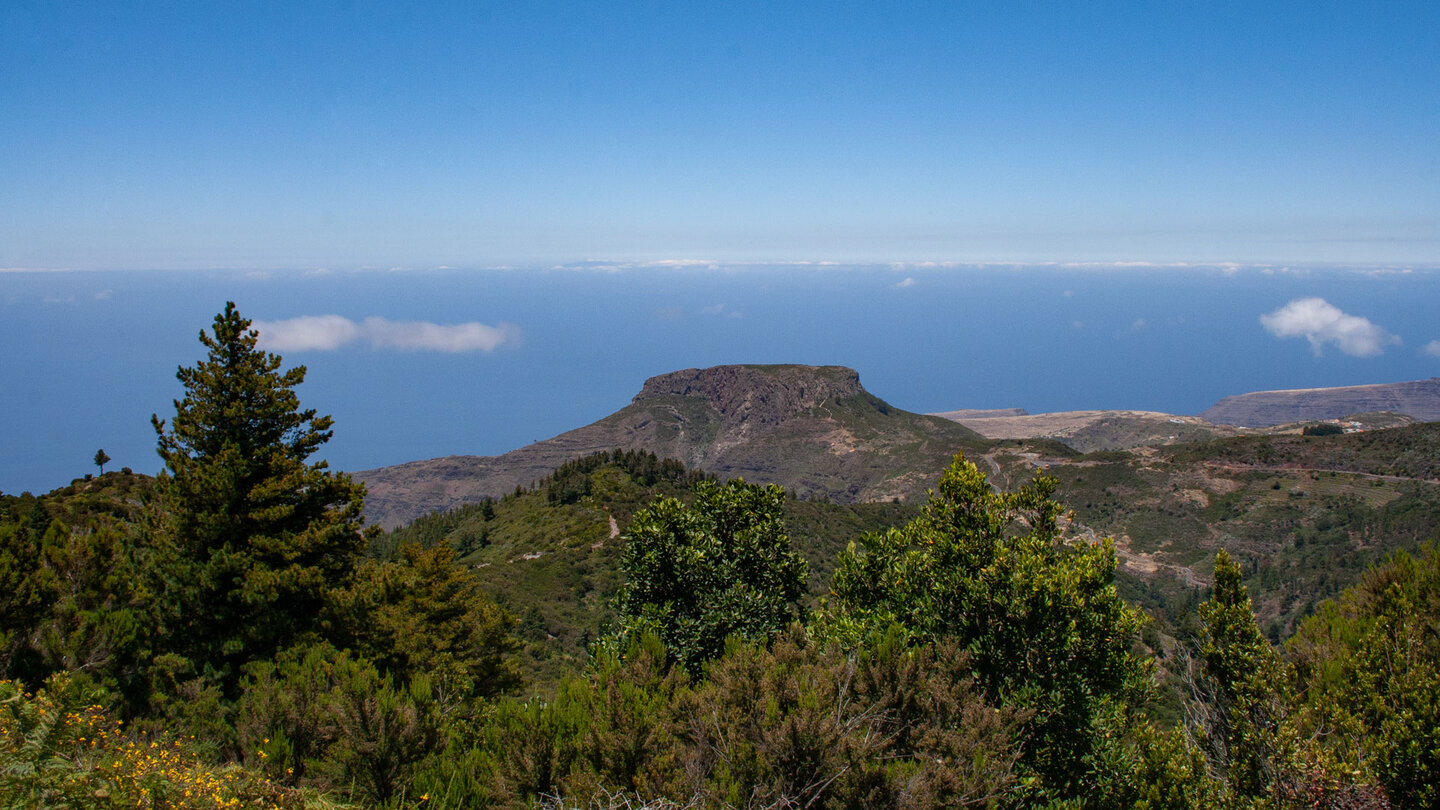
1149, 768
101, 459
72, 593
882, 726
424, 615
1246, 684
321, 717
257, 535
556, 565
573, 480
820, 530
96, 623
609, 730
22, 601
1040, 618
698, 574
1322, 429
1370, 667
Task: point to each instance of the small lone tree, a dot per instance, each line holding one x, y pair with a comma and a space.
258, 535
101, 459
696, 575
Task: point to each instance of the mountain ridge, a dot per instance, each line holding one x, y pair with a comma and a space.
818, 432
812, 429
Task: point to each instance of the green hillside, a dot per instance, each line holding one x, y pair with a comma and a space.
550, 554
1304, 515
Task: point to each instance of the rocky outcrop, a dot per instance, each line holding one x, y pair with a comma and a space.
1419, 400
758, 395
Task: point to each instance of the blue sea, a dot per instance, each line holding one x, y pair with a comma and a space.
87, 357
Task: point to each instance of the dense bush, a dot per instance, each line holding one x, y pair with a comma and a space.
1040, 618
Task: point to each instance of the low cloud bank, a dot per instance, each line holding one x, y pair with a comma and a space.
330, 332
1321, 322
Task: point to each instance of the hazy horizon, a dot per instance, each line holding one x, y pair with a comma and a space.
420, 364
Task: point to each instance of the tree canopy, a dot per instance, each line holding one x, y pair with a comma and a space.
1040, 617
697, 574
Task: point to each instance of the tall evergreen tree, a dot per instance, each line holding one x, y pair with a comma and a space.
259, 535
1246, 686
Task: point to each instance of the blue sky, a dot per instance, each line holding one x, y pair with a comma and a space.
298, 135
481, 224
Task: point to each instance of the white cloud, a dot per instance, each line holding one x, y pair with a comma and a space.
1138, 324
1432, 348
1321, 322
322, 332
720, 310
330, 332
909, 281
422, 336
708, 264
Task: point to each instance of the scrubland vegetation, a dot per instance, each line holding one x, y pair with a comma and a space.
230, 635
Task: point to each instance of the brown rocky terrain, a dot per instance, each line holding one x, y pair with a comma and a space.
981, 413
1419, 400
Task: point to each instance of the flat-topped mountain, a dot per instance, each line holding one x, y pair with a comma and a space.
1419, 400
812, 429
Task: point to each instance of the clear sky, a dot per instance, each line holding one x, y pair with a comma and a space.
481, 224
144, 135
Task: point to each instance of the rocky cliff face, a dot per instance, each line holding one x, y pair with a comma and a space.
738, 403
812, 429
1419, 400
759, 395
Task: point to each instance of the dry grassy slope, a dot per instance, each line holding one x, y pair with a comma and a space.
812, 429
1088, 431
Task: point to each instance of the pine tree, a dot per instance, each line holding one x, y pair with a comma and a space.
258, 536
